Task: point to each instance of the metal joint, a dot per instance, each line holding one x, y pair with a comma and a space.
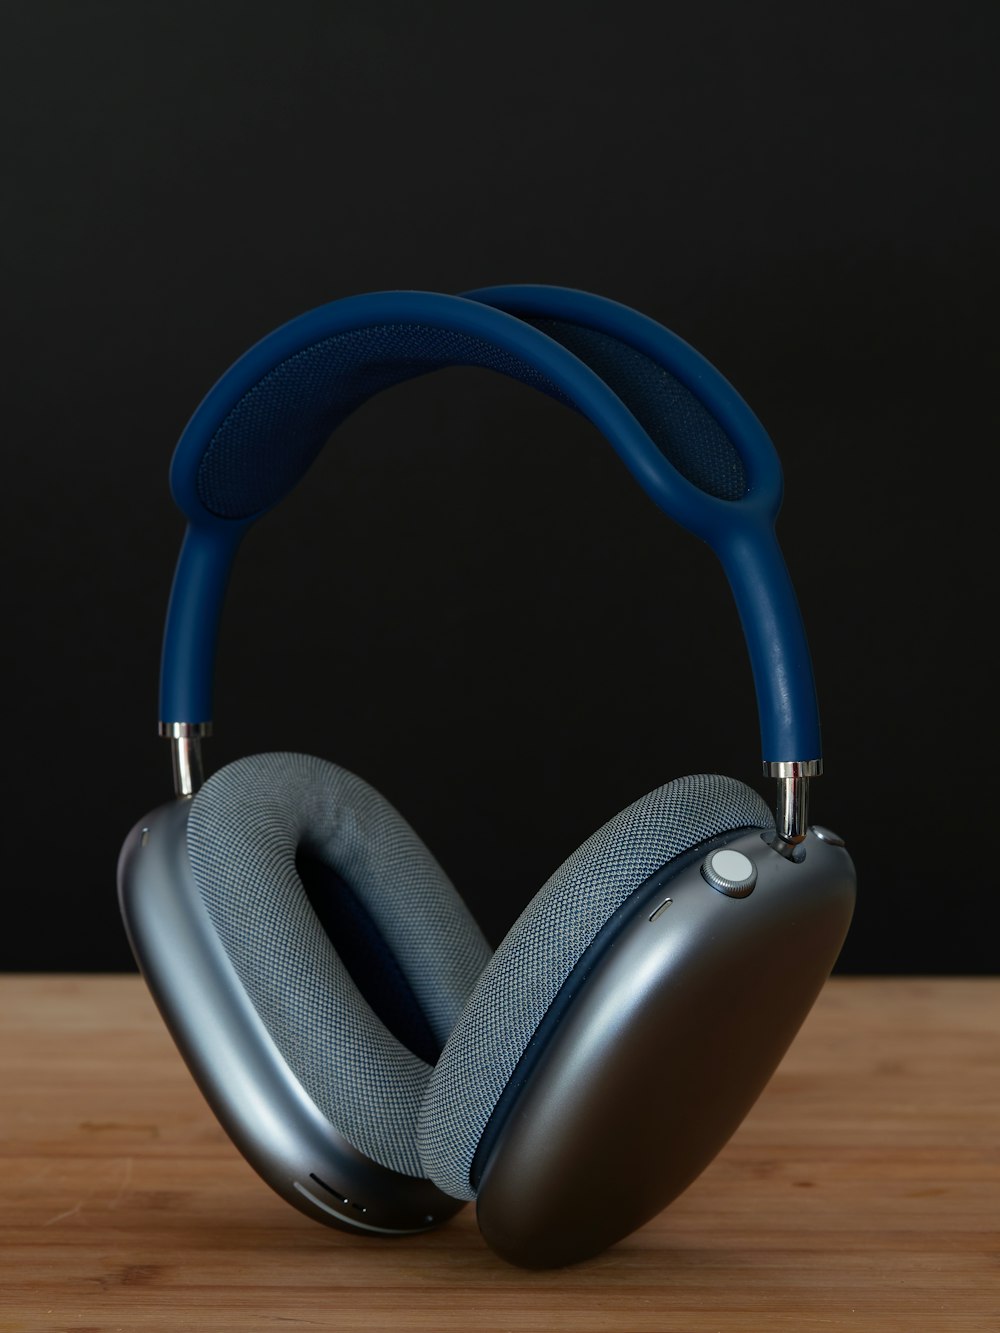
185, 753
792, 807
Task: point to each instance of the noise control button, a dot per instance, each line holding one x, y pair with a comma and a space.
730, 872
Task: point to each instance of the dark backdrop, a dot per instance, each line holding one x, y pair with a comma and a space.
470, 603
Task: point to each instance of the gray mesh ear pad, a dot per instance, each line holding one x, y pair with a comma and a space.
245, 826
545, 943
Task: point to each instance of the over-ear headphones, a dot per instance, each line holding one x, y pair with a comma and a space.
340, 1009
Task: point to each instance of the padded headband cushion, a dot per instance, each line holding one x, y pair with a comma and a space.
270, 437
544, 945
246, 825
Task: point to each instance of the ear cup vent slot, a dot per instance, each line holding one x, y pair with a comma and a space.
336, 1194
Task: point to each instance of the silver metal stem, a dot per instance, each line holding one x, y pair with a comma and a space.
792, 811
792, 808
185, 753
189, 770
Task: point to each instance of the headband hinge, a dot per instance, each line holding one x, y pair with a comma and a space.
792, 809
185, 752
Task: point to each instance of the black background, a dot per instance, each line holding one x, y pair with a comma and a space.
470, 603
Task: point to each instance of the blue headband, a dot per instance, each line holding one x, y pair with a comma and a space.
680, 428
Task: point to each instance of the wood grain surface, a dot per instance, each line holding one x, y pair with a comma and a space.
862, 1193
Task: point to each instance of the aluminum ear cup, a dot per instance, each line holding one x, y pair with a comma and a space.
662, 1039
245, 1077
316, 1092
544, 980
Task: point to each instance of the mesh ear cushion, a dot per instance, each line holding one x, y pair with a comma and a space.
545, 943
245, 827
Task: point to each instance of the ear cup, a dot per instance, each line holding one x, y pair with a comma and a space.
544, 945
250, 826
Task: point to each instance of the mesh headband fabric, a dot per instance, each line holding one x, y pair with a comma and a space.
270, 437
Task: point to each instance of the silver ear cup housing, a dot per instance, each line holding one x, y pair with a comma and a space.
247, 1082
671, 1026
543, 949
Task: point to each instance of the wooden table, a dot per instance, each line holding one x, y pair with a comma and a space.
862, 1193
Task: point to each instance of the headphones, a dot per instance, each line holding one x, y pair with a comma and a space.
351, 1028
